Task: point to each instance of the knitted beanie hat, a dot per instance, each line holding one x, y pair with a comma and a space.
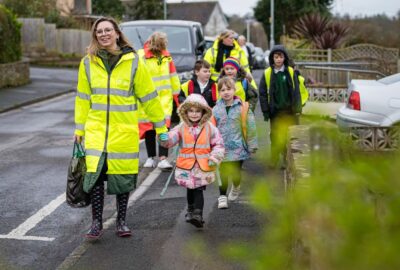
232, 61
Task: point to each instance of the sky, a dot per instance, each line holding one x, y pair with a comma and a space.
352, 7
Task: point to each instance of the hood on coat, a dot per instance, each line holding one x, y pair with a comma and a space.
278, 48
198, 101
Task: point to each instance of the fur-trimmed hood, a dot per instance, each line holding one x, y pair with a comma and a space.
198, 101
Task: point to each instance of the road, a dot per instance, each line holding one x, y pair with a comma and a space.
39, 231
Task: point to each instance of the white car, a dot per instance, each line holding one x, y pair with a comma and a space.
371, 103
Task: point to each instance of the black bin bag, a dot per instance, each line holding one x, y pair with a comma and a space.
76, 197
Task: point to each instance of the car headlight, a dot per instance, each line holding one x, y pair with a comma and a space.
185, 76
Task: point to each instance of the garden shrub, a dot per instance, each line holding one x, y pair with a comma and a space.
10, 32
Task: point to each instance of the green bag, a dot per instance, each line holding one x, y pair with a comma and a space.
75, 195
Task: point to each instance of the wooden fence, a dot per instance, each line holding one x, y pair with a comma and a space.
40, 38
337, 67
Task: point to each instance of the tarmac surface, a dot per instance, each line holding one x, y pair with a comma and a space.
161, 239
45, 83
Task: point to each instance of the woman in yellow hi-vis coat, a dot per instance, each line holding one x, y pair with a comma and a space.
111, 81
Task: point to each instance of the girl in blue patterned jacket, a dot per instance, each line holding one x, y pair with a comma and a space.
237, 126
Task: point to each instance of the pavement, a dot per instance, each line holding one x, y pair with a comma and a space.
45, 83
328, 109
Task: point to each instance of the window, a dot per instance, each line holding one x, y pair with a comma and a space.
179, 40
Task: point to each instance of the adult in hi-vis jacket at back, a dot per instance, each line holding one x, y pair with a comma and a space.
112, 81
225, 46
163, 72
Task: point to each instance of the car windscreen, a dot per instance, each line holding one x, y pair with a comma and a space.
390, 79
178, 37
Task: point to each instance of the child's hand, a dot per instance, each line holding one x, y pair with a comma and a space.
163, 137
212, 161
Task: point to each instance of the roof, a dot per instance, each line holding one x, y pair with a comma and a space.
195, 11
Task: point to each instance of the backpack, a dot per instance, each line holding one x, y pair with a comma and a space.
213, 90
251, 96
243, 115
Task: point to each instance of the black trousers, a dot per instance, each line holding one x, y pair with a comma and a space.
195, 198
230, 169
279, 131
150, 141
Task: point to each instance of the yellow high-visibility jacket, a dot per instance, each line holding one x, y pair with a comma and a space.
106, 111
166, 82
236, 52
302, 88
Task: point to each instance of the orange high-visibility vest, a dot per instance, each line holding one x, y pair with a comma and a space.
195, 150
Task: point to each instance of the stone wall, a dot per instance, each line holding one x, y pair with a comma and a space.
14, 74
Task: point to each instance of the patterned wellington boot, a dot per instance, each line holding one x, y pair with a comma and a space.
197, 218
189, 213
97, 200
122, 205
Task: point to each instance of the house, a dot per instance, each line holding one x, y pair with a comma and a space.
208, 13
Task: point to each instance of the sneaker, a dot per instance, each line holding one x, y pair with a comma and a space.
234, 194
197, 218
189, 213
150, 163
222, 202
164, 165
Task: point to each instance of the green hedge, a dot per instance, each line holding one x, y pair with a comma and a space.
10, 32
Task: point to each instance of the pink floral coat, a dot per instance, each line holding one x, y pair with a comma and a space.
196, 177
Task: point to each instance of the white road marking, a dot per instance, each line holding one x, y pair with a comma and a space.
19, 232
80, 250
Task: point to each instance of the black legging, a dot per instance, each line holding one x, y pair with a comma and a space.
195, 198
150, 141
97, 198
230, 169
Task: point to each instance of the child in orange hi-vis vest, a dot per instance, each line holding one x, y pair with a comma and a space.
201, 149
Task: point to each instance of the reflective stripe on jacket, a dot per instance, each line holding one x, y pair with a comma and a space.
194, 150
237, 52
106, 111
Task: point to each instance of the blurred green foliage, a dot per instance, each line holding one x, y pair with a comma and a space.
287, 12
10, 32
41, 9
344, 216
108, 8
